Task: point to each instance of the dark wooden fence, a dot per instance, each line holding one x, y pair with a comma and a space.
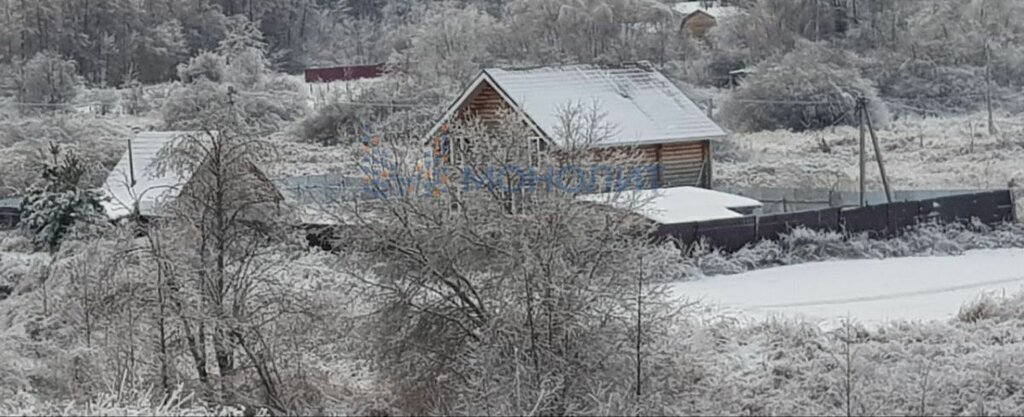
883, 220
9, 217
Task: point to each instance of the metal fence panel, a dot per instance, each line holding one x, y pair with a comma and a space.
729, 234
879, 221
901, 216
685, 233
829, 218
873, 220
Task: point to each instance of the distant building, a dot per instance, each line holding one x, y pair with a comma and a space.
134, 183
701, 16
649, 113
343, 73
340, 83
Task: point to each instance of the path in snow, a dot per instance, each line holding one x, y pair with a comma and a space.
869, 291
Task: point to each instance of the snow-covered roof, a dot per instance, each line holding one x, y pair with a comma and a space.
10, 202
643, 106
677, 204
150, 188
717, 11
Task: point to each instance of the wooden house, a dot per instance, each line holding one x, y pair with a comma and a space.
701, 16
649, 113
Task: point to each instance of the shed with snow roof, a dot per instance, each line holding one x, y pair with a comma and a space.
649, 113
137, 186
678, 204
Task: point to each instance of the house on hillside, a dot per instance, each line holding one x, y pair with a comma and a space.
650, 114
135, 186
701, 16
340, 83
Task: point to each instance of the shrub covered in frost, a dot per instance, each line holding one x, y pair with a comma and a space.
809, 88
803, 245
938, 88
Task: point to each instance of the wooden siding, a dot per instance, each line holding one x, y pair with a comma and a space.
485, 103
679, 164
685, 164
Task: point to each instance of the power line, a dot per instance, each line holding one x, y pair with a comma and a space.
794, 102
19, 103
377, 104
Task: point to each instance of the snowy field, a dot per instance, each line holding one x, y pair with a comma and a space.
869, 291
952, 152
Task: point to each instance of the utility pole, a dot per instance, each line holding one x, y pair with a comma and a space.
639, 310
861, 113
817, 25
988, 88
711, 107
878, 153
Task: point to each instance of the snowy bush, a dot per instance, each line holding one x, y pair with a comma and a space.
809, 88
206, 65
330, 124
803, 245
125, 402
937, 89
269, 107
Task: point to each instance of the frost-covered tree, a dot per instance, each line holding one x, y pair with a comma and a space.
519, 300
49, 212
603, 31
449, 46
206, 65
48, 80
225, 225
808, 88
236, 76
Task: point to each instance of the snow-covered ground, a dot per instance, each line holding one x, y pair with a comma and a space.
870, 291
953, 152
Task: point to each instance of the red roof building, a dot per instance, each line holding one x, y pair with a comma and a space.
346, 73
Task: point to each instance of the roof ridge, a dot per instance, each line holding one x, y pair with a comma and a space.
639, 64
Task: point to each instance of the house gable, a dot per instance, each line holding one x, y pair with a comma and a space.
483, 99
698, 23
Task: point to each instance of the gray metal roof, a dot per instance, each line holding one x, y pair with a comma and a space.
150, 189
643, 105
